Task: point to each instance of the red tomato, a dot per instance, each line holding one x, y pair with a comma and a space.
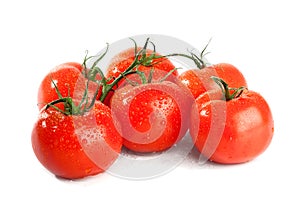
199, 81
153, 116
69, 80
233, 131
76, 146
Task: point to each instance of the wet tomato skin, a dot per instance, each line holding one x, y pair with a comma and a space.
121, 61
234, 131
199, 81
153, 116
70, 81
74, 147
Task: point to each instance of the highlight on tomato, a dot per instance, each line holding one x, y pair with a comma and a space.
198, 80
237, 134
75, 145
148, 59
153, 116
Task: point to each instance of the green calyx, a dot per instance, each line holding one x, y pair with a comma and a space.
85, 105
70, 108
228, 92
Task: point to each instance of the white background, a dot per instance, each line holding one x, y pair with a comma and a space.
260, 37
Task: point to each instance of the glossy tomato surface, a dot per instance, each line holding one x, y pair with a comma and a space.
233, 131
153, 116
124, 59
76, 146
66, 80
199, 81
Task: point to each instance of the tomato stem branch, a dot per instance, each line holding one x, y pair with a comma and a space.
228, 92
198, 60
140, 58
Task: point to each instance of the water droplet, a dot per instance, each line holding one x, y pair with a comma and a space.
84, 141
204, 113
127, 100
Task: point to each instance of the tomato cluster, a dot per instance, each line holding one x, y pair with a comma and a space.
141, 102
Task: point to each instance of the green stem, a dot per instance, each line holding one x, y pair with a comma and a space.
198, 61
227, 91
140, 58
106, 88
